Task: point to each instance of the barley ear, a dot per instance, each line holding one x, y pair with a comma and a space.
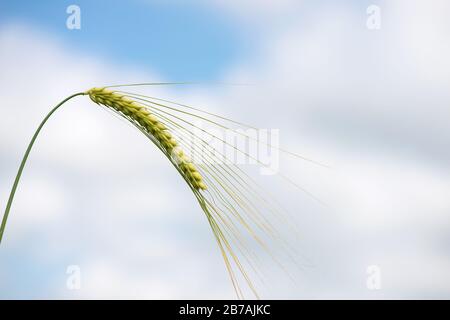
149, 123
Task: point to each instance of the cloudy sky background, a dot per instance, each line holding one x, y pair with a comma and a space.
374, 104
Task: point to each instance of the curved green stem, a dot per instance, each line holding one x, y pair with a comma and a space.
24, 160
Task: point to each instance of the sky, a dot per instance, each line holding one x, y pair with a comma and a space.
372, 103
176, 39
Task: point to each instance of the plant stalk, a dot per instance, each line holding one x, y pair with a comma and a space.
24, 160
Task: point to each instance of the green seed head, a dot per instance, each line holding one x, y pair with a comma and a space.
152, 125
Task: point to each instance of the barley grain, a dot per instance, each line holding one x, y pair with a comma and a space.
153, 126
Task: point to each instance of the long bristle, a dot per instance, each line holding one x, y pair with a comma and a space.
153, 126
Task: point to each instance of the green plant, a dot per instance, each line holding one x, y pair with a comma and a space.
232, 201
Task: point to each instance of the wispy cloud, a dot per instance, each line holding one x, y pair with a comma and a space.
374, 104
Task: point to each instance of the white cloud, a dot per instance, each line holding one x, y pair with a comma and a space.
374, 104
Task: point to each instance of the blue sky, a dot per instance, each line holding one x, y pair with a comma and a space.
373, 104
180, 42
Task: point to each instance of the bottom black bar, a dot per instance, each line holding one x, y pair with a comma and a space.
229, 309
